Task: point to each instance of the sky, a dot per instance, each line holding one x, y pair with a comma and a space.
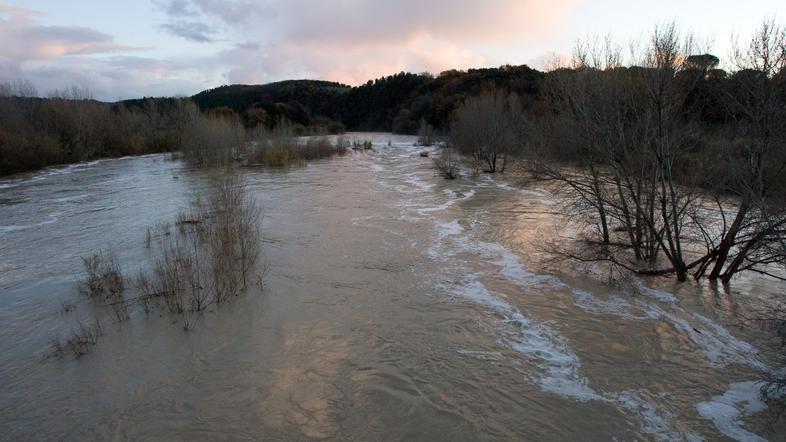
124, 49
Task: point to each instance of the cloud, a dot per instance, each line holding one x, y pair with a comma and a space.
190, 30
265, 63
57, 57
354, 40
24, 39
259, 41
9, 70
378, 20
118, 77
175, 8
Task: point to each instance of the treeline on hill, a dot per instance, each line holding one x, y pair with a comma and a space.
394, 103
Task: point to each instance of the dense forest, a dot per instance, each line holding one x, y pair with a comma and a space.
394, 103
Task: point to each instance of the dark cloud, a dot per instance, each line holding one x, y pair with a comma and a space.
190, 30
231, 12
176, 8
9, 70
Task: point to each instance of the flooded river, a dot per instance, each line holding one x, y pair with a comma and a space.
396, 306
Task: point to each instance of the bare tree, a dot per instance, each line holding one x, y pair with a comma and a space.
632, 138
212, 141
488, 128
754, 158
426, 136
447, 163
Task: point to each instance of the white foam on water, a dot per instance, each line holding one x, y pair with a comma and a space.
512, 268
419, 184
612, 305
66, 199
723, 348
48, 172
660, 295
453, 198
52, 218
438, 208
728, 410
409, 218
654, 422
720, 347
558, 365
503, 185
448, 229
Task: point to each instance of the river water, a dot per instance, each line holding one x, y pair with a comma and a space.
396, 306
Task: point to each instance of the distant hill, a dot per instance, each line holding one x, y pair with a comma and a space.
393, 103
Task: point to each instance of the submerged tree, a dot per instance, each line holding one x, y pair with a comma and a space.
644, 164
488, 127
426, 136
753, 160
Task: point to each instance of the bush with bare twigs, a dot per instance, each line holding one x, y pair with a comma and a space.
79, 341
447, 163
102, 276
210, 256
280, 147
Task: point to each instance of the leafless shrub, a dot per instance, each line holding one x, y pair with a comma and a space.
147, 295
211, 255
120, 308
342, 145
79, 341
280, 147
447, 163
362, 145
102, 276
212, 140
426, 134
488, 127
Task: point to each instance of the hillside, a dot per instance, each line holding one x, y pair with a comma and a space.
392, 103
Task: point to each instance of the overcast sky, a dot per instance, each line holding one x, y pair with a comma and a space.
122, 49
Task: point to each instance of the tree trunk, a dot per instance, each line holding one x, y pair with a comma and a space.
728, 241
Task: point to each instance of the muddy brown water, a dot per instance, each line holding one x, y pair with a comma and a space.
397, 306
